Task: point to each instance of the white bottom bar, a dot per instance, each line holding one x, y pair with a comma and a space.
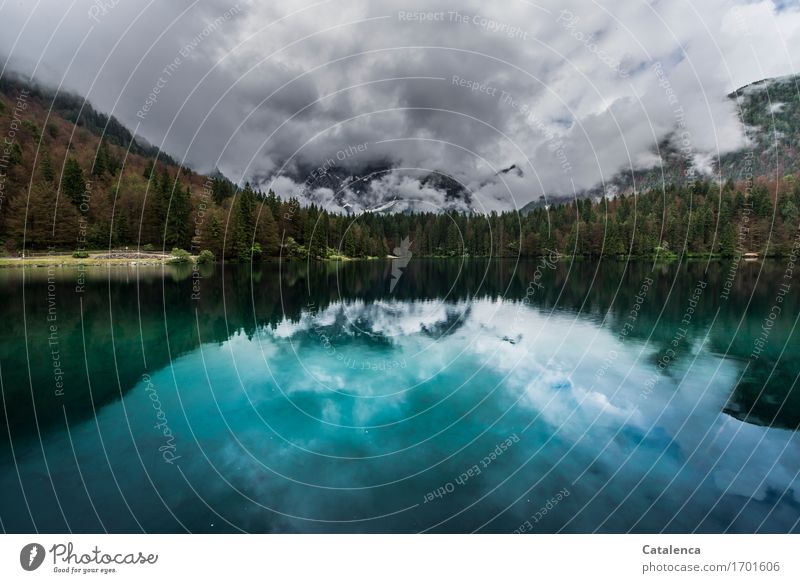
402, 558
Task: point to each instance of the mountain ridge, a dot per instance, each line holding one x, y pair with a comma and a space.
765, 126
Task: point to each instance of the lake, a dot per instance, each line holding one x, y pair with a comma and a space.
462, 396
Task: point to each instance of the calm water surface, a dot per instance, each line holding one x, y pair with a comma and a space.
292, 398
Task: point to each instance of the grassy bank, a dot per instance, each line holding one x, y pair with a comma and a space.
101, 258
94, 259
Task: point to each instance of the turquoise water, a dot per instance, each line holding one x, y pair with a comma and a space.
476, 395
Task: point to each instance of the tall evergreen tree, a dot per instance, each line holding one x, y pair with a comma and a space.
177, 228
73, 185
268, 232
46, 168
244, 225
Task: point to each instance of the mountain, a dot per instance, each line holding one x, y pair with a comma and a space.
770, 114
74, 178
354, 188
75, 109
342, 182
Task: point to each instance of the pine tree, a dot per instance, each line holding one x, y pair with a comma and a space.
36, 220
100, 165
122, 230
211, 234
46, 168
268, 232
73, 184
177, 230
15, 155
221, 188
244, 225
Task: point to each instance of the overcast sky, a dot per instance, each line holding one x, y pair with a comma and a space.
569, 91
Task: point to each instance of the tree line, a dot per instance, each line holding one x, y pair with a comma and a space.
170, 207
61, 179
704, 219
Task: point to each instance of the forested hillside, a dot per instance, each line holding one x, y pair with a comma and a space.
65, 187
769, 111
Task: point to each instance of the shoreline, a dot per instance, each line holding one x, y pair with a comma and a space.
94, 260
104, 259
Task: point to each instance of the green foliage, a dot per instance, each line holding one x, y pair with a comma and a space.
32, 128
267, 232
180, 256
244, 225
104, 162
205, 257
80, 255
293, 250
15, 154
73, 184
212, 234
179, 207
221, 188
46, 168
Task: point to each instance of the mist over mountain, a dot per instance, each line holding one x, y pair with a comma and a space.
769, 111
769, 114
401, 95
350, 181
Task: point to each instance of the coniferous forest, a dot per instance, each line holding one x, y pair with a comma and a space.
66, 188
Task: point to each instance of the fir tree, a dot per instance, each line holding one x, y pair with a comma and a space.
73, 184
46, 168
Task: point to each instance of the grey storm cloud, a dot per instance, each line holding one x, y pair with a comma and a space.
570, 92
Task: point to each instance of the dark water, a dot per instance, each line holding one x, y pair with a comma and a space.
474, 396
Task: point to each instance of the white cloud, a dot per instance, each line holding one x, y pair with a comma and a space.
575, 97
